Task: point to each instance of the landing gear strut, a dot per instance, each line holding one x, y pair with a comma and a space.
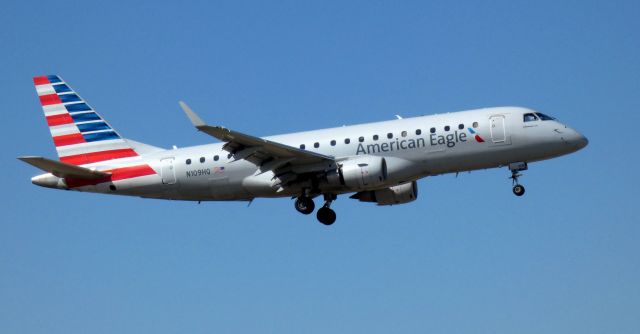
305, 205
325, 215
515, 168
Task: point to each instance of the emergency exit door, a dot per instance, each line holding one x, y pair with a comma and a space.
167, 171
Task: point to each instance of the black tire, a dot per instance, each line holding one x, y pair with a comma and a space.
305, 205
326, 216
518, 190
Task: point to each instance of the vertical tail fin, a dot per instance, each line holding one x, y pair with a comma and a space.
80, 135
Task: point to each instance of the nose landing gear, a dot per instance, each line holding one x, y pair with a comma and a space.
518, 190
515, 168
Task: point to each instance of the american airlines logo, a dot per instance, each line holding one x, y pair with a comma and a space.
450, 140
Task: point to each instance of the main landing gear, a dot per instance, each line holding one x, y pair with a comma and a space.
305, 205
515, 168
325, 214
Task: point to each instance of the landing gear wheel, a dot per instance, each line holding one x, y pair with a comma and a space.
305, 205
516, 167
326, 215
518, 190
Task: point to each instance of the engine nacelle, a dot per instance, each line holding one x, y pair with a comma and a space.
360, 173
400, 194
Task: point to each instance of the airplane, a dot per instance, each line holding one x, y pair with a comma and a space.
378, 162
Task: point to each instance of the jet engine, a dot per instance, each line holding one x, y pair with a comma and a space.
400, 194
360, 173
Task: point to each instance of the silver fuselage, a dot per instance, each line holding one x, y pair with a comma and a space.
411, 152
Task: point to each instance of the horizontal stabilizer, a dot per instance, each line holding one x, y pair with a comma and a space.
61, 169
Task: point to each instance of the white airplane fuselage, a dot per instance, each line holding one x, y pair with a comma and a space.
408, 146
379, 162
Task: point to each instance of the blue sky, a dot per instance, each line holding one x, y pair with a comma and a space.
468, 256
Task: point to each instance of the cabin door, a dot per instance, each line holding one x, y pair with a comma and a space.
498, 134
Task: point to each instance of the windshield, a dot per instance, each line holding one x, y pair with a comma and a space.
530, 117
545, 117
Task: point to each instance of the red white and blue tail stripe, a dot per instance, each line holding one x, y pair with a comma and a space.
81, 135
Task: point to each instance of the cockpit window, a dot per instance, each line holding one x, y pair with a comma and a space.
545, 117
530, 117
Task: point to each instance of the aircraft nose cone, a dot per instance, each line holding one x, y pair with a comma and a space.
582, 142
576, 139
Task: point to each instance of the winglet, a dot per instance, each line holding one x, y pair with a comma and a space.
195, 119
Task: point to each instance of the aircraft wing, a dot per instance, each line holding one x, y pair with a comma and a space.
267, 154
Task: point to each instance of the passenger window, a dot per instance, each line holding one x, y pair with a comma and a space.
447, 128
201, 159
433, 130
460, 126
333, 143
418, 132
403, 133
215, 158
389, 135
475, 125
316, 144
188, 161
302, 146
529, 118
361, 139
347, 140
375, 137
